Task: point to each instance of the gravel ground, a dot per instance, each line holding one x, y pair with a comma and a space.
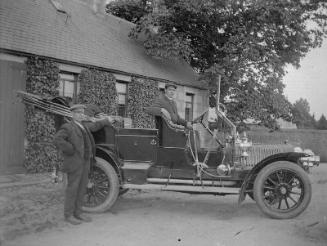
32, 216
30, 208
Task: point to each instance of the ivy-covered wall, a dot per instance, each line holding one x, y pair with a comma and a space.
98, 88
141, 93
42, 79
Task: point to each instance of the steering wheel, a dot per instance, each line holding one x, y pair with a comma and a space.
199, 118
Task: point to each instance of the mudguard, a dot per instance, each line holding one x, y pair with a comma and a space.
107, 154
287, 156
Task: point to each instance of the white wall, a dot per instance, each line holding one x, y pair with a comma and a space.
201, 100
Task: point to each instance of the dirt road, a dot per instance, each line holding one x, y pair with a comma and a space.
166, 218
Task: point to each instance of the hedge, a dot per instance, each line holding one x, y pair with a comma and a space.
316, 140
42, 79
98, 88
141, 93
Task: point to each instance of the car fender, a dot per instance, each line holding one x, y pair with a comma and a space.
107, 154
288, 156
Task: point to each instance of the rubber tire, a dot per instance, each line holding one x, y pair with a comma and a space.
250, 194
258, 197
114, 187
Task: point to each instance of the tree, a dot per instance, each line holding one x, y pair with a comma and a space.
131, 10
301, 114
322, 123
251, 40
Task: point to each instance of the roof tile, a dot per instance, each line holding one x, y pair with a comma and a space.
34, 26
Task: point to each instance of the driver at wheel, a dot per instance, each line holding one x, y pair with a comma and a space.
75, 141
168, 106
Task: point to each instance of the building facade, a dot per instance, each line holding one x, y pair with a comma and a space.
76, 37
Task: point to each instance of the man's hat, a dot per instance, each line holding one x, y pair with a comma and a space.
77, 106
170, 84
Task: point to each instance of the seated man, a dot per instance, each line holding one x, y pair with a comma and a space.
168, 107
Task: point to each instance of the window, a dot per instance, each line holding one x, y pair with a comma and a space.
68, 86
121, 88
189, 98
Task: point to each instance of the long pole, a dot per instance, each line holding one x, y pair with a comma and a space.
218, 92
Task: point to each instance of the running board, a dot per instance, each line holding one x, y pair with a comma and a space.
184, 188
216, 183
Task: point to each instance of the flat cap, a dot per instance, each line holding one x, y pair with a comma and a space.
170, 84
77, 106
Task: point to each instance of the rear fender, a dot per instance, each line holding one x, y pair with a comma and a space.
288, 156
107, 154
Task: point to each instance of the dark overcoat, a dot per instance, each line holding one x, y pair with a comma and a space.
170, 105
69, 139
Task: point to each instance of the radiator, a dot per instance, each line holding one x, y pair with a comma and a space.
258, 152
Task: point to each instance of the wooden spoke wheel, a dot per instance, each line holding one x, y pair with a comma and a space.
103, 187
282, 190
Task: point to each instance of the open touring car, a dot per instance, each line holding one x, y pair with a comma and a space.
206, 160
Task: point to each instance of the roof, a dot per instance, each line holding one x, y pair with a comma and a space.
83, 37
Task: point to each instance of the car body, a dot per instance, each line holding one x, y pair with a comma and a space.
210, 159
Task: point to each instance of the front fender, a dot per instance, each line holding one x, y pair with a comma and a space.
287, 156
106, 153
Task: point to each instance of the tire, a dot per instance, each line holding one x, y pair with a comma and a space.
282, 190
103, 188
250, 194
250, 187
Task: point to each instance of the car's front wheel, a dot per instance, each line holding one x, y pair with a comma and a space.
282, 190
103, 187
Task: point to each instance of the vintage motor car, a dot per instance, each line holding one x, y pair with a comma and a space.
210, 159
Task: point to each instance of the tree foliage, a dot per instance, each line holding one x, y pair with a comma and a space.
130, 10
301, 114
322, 123
252, 41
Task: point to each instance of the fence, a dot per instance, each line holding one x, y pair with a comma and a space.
316, 140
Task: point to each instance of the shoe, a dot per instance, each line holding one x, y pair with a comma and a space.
72, 220
83, 217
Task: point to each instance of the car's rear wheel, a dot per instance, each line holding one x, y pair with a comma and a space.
282, 190
103, 187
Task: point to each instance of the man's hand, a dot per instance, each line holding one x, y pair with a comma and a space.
189, 125
115, 118
110, 118
165, 113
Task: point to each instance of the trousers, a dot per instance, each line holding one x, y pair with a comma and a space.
76, 189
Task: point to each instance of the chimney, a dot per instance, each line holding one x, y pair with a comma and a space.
98, 6
159, 7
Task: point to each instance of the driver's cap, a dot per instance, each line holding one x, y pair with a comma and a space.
170, 84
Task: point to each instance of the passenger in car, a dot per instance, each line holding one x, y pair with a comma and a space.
168, 107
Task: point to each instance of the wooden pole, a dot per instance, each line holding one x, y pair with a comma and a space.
218, 92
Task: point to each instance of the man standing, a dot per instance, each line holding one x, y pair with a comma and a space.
168, 106
76, 143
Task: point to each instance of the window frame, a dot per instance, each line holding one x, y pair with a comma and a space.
191, 102
76, 85
125, 83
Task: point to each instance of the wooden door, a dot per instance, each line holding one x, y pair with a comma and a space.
12, 78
